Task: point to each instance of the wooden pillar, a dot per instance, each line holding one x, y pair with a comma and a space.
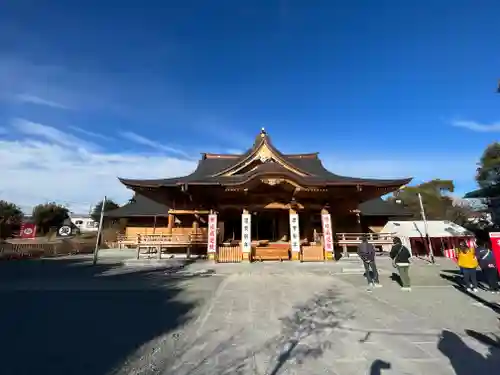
171, 222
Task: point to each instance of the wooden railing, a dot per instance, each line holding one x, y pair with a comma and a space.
373, 238
170, 240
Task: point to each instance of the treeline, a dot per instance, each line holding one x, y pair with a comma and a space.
45, 216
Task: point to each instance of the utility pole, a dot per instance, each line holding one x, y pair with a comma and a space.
97, 242
426, 228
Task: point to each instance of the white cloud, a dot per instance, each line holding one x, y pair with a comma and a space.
90, 133
153, 144
33, 99
476, 126
50, 134
63, 169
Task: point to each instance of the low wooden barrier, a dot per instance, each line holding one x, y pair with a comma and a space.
271, 252
312, 253
36, 250
123, 241
159, 242
229, 254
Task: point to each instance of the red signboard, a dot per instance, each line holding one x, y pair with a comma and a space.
327, 232
212, 233
28, 231
495, 247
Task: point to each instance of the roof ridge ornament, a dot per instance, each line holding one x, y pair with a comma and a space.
263, 132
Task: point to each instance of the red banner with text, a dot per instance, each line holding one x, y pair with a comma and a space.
28, 231
212, 233
495, 247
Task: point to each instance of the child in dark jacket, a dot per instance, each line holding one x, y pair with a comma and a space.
486, 260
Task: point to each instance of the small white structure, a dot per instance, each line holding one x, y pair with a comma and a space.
84, 223
442, 233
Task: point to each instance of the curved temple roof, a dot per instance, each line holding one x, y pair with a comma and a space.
140, 206
263, 159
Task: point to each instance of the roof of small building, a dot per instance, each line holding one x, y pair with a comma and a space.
416, 228
213, 169
139, 205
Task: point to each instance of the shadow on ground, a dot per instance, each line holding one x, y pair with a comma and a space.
465, 360
378, 365
91, 326
305, 334
456, 279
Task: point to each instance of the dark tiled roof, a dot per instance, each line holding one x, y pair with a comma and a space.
139, 206
142, 206
212, 166
381, 207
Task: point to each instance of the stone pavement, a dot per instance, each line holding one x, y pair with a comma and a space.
315, 319
269, 319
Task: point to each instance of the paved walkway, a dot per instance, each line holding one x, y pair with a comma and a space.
270, 318
307, 319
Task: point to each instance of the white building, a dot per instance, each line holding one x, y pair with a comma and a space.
84, 223
442, 233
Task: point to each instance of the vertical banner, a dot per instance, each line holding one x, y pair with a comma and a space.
294, 232
246, 233
212, 233
495, 247
28, 231
326, 220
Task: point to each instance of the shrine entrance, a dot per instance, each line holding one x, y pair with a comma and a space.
266, 225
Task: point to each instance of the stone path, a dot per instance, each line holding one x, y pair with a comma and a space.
265, 321
262, 319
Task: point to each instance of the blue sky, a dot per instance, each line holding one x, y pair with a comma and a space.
94, 89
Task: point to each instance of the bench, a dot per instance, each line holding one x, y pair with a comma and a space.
271, 252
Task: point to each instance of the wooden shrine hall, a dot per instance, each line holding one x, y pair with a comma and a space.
260, 205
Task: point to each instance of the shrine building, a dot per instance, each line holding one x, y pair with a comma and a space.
260, 205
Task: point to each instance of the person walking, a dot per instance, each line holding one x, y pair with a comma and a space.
400, 256
366, 252
487, 263
468, 263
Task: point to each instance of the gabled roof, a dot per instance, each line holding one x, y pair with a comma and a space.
264, 160
139, 206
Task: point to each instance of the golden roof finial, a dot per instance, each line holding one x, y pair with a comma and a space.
262, 132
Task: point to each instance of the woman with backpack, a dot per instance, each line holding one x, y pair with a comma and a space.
400, 256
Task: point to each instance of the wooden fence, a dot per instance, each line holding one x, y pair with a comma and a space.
37, 250
229, 254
